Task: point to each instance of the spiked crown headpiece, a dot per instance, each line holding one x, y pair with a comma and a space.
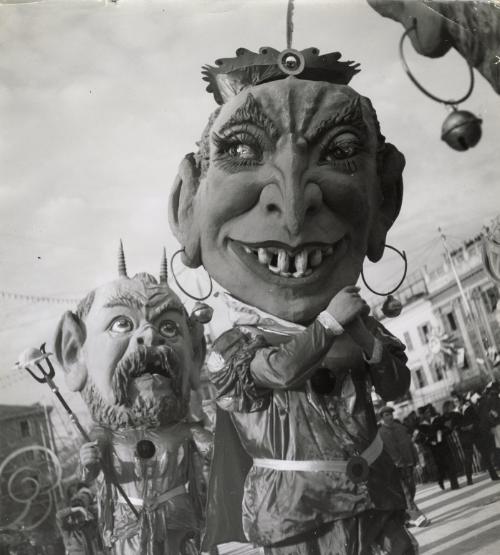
230, 76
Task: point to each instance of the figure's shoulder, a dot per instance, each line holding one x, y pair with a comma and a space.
234, 340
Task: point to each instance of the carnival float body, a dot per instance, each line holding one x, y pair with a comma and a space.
134, 354
292, 187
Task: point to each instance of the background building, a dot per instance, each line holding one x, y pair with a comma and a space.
451, 328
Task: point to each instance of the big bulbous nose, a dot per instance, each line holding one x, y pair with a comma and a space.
292, 203
289, 196
149, 336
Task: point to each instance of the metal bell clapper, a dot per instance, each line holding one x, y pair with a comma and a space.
461, 129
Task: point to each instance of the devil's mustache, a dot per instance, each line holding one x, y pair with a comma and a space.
145, 358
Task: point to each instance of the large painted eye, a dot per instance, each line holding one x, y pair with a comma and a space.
169, 328
341, 147
122, 324
243, 151
239, 148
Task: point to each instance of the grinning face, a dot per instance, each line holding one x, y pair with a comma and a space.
287, 205
137, 354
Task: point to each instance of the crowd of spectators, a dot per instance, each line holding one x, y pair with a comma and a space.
429, 445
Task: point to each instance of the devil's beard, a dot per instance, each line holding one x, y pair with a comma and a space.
143, 410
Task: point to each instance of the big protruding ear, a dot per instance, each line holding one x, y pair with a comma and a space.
181, 210
199, 352
68, 343
391, 168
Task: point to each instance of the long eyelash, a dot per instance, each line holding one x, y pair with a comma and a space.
224, 142
347, 165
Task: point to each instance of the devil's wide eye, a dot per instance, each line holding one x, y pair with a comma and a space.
168, 328
122, 324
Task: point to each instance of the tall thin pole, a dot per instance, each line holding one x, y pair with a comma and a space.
468, 309
52, 441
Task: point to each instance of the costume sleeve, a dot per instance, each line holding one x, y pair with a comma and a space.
245, 370
387, 366
290, 365
229, 370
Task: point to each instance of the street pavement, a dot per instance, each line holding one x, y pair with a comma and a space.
463, 521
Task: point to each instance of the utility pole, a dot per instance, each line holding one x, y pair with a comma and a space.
468, 310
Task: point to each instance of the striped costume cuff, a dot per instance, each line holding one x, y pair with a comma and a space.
330, 323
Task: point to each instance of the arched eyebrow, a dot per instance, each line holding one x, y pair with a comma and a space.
169, 306
124, 299
351, 114
253, 113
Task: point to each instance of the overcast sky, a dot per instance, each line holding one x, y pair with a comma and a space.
99, 103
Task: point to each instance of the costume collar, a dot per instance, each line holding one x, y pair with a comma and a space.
242, 314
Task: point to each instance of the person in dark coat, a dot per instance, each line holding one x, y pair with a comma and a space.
398, 443
470, 433
433, 432
489, 419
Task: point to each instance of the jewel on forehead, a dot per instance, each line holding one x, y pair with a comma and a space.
230, 76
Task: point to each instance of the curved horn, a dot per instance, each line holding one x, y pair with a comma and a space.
122, 266
164, 267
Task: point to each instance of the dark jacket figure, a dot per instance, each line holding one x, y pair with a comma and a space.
401, 449
489, 419
434, 433
471, 433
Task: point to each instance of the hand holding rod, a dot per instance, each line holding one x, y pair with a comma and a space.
36, 356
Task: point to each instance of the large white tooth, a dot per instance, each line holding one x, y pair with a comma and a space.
298, 274
283, 260
246, 249
285, 274
273, 269
301, 262
264, 256
316, 258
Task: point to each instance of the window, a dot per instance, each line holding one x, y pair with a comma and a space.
420, 380
408, 341
25, 428
423, 332
450, 318
439, 372
490, 298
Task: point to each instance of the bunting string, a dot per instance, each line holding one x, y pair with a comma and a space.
37, 298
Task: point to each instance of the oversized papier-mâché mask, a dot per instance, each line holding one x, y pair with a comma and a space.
293, 184
132, 351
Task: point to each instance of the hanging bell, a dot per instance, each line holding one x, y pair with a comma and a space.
392, 307
202, 312
461, 130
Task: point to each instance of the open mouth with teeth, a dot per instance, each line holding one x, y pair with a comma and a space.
153, 364
289, 262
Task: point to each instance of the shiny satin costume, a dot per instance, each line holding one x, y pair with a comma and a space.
167, 489
262, 369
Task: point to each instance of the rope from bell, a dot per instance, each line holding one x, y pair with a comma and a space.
289, 24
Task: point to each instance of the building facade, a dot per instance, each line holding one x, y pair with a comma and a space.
450, 324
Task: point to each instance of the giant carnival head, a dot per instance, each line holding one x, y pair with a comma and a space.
132, 351
293, 184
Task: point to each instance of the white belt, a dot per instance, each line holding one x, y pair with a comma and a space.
153, 502
367, 457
